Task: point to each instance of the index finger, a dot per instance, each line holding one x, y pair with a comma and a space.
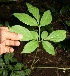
4, 28
13, 36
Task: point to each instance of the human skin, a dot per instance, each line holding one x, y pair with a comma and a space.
8, 39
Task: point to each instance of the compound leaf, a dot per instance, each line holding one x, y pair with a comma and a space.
57, 36
48, 47
22, 30
46, 18
44, 35
25, 18
34, 11
30, 47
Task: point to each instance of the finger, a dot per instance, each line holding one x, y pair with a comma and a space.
2, 39
2, 35
1, 50
4, 28
2, 47
8, 50
11, 50
13, 36
12, 43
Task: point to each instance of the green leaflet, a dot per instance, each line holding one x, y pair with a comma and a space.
44, 35
46, 18
12, 74
18, 73
35, 35
27, 72
22, 30
25, 18
57, 36
0, 72
64, 9
48, 47
68, 23
34, 11
0, 25
2, 64
30, 46
18, 66
8, 57
5, 73
10, 67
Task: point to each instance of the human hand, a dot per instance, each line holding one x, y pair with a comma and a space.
8, 39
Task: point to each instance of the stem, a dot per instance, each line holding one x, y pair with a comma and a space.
36, 61
33, 61
36, 52
54, 68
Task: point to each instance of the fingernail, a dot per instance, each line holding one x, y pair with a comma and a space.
18, 43
20, 36
12, 50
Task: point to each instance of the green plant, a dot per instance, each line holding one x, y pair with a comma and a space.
9, 66
34, 37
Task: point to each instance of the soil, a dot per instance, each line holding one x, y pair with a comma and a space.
45, 64
43, 59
